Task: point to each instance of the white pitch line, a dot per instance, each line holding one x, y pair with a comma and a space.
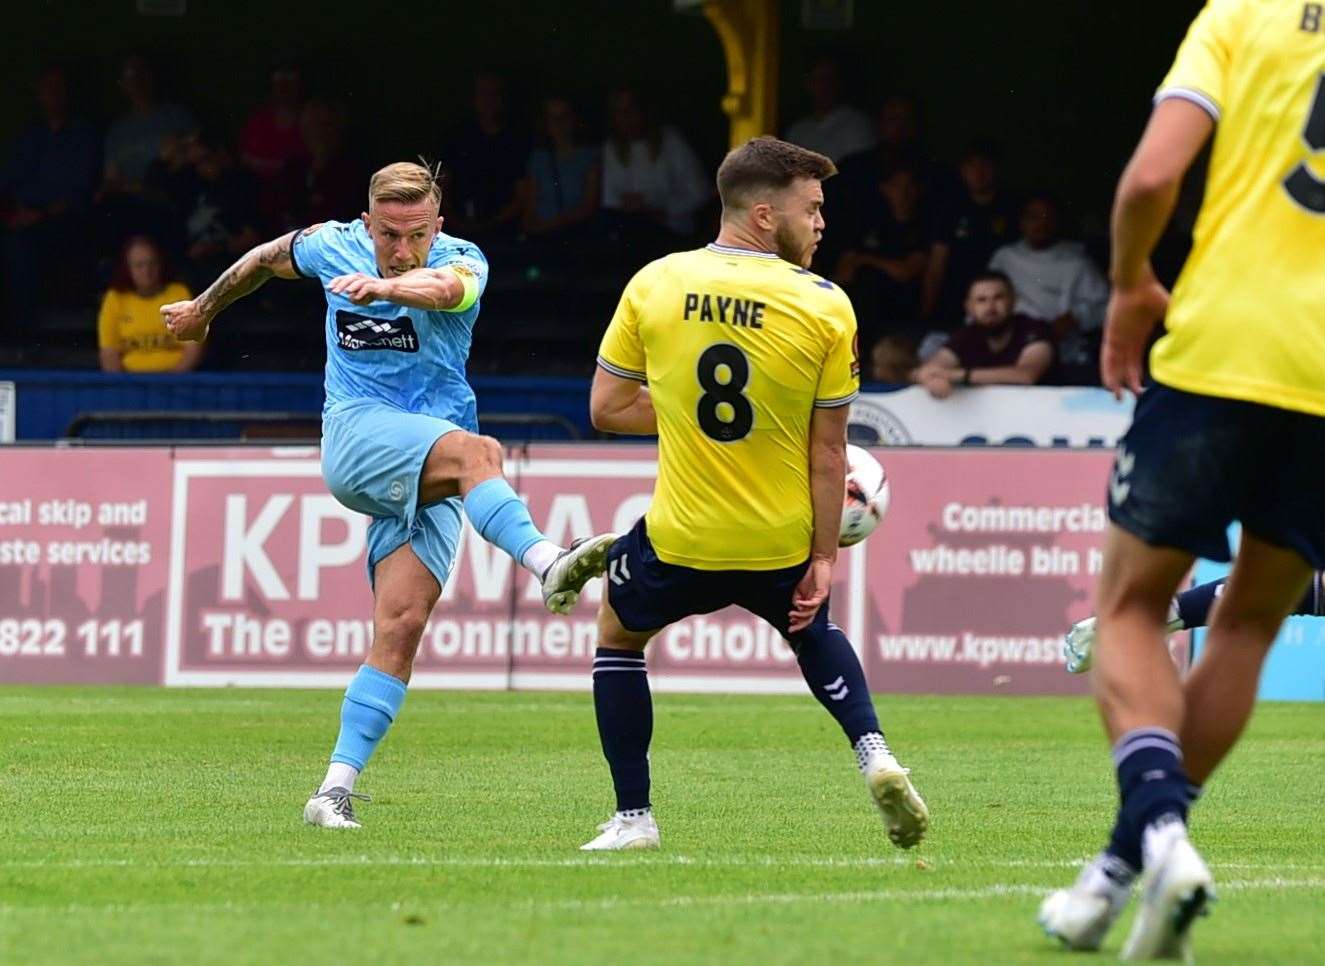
608, 862
998, 890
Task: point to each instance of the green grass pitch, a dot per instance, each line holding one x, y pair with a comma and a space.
154, 826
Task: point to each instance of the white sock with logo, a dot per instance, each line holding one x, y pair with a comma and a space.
339, 775
538, 558
872, 746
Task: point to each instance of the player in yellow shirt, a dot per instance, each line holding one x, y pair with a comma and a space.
743, 361
1231, 430
130, 333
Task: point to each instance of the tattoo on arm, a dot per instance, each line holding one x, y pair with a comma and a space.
249, 274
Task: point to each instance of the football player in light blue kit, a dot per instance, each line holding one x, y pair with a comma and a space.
399, 433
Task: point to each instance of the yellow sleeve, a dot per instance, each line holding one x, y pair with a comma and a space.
839, 381
108, 334
1200, 71
621, 351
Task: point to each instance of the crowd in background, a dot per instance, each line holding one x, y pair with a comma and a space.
152, 206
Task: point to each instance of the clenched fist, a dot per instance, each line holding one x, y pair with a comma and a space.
185, 320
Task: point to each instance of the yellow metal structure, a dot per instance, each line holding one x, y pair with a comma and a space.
749, 31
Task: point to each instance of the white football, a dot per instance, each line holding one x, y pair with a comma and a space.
866, 498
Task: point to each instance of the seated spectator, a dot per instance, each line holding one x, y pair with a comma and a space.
979, 219
899, 141
651, 176
1057, 283
893, 359
272, 147
46, 183
216, 201
997, 347
882, 267
834, 127
130, 331
485, 161
565, 174
333, 180
135, 138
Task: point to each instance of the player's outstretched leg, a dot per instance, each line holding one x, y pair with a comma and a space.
624, 709
470, 466
833, 672
404, 594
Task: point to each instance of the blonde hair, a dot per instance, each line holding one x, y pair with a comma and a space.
407, 183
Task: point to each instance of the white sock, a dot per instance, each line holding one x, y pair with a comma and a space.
870, 746
1109, 876
631, 814
538, 558
1158, 836
339, 775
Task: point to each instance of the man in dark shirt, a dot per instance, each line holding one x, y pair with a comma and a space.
977, 221
995, 348
485, 161
47, 177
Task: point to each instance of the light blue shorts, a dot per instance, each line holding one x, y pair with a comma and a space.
372, 457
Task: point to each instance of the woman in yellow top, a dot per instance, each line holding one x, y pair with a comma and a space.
130, 331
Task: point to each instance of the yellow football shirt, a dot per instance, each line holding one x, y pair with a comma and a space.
133, 324
1247, 319
737, 348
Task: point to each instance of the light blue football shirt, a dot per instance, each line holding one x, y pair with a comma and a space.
413, 359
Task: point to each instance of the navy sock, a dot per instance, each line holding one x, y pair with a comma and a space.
1194, 605
624, 709
833, 672
1152, 784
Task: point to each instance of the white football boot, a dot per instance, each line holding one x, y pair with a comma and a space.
584, 560
1081, 915
904, 812
1175, 889
333, 809
1079, 642
619, 833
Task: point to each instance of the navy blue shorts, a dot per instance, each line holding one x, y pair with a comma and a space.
648, 594
1190, 465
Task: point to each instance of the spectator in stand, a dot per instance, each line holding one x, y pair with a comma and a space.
332, 188
272, 148
46, 183
565, 175
1056, 282
849, 197
882, 267
485, 162
136, 137
893, 359
997, 348
980, 218
216, 201
834, 127
130, 330
651, 176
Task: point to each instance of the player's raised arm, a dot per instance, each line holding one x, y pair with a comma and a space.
450, 288
188, 321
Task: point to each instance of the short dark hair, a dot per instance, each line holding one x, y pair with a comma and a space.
991, 275
765, 163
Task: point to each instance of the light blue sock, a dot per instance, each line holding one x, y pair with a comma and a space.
501, 517
371, 703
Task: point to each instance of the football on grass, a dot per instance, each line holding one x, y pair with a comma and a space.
867, 497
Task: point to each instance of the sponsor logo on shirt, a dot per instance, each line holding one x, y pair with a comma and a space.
355, 332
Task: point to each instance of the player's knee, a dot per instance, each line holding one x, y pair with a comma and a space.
400, 625
482, 459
